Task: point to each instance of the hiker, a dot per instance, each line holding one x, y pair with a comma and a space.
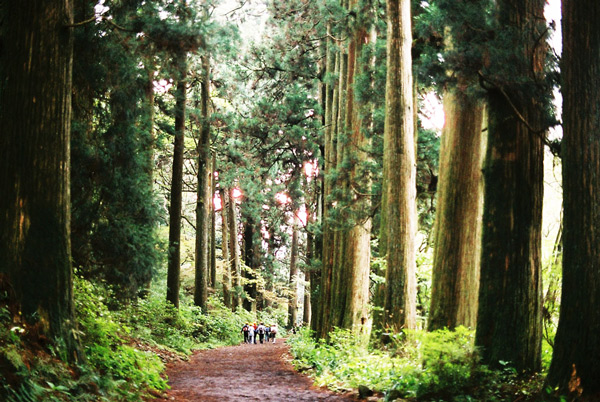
245, 332
255, 332
273, 332
267, 333
251, 334
261, 332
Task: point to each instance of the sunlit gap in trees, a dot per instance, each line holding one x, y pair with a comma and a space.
236, 194
162, 86
431, 112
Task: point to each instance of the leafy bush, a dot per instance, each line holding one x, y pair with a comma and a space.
123, 368
437, 366
448, 360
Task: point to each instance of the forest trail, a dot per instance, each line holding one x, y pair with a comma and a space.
244, 372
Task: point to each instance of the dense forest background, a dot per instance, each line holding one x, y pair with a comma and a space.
414, 184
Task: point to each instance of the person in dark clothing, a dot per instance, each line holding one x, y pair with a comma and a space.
245, 332
261, 332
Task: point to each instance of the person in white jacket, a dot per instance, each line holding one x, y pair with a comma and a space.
250, 334
273, 332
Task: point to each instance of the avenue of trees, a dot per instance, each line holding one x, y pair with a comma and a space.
145, 140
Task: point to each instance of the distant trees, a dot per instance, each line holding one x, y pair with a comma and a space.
35, 116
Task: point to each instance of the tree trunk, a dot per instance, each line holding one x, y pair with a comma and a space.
350, 288
457, 232
225, 248
399, 166
293, 282
213, 223
306, 316
35, 116
174, 255
250, 258
575, 367
509, 319
317, 256
337, 291
322, 323
234, 248
204, 198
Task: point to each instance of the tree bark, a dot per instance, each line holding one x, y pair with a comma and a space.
509, 324
35, 113
306, 315
350, 287
321, 321
457, 232
575, 367
174, 255
234, 248
293, 280
225, 248
399, 165
250, 258
213, 224
204, 198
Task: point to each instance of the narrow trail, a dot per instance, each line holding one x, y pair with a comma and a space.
245, 372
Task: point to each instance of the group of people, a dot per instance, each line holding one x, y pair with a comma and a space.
254, 333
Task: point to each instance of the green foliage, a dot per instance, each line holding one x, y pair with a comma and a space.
33, 369
114, 209
157, 322
437, 366
123, 346
109, 347
424, 268
428, 150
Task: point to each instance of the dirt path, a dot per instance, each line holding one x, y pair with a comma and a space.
259, 372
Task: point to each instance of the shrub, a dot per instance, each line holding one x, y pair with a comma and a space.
436, 366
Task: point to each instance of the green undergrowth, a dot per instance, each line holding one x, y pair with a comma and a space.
125, 347
418, 366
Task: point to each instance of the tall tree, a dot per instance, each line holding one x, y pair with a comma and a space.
352, 251
509, 317
203, 195
234, 248
326, 235
457, 231
321, 323
399, 173
308, 284
575, 367
225, 247
174, 253
35, 113
114, 209
252, 258
213, 223
293, 280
